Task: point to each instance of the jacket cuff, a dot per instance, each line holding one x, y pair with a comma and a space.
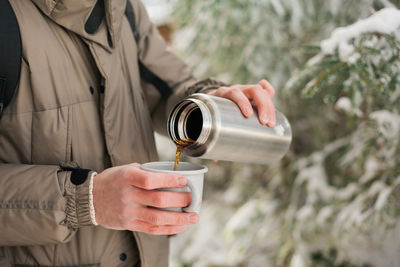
203, 86
78, 202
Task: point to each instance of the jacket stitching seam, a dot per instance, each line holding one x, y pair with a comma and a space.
29, 206
35, 208
53, 8
48, 109
31, 160
68, 153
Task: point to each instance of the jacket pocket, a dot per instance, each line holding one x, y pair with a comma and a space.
50, 140
4, 262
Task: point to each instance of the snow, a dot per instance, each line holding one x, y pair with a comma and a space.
315, 59
297, 15
382, 198
205, 238
278, 7
347, 192
324, 214
159, 11
351, 209
345, 104
371, 166
353, 58
297, 261
386, 20
335, 6
243, 216
388, 123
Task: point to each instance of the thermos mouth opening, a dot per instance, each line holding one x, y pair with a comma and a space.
190, 120
193, 124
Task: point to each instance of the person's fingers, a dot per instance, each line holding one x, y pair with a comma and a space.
152, 180
260, 94
265, 107
237, 96
148, 228
268, 87
162, 217
161, 199
271, 113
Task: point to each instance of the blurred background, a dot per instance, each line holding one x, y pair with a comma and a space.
334, 200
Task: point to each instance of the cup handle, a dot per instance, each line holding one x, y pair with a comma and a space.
196, 198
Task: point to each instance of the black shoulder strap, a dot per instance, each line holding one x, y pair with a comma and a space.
162, 87
10, 53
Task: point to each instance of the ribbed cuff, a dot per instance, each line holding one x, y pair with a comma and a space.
91, 202
78, 203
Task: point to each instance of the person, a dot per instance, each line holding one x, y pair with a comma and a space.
81, 107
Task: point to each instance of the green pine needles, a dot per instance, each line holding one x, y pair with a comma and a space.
373, 70
334, 200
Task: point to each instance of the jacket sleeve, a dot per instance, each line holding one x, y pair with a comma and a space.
159, 59
40, 205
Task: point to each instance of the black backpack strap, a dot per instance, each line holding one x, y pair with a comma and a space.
162, 87
10, 53
130, 15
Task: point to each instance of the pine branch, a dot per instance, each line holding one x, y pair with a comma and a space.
361, 70
310, 91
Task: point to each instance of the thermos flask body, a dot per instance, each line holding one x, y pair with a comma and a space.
220, 131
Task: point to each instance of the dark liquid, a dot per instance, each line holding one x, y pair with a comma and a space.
193, 128
180, 145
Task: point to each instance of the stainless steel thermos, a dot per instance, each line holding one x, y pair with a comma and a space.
220, 131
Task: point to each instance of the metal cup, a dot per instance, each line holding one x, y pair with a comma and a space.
194, 174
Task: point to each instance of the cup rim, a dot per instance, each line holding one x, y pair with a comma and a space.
199, 168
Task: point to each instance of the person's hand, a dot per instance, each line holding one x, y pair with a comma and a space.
122, 196
245, 96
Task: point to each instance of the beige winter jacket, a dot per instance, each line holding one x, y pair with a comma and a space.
80, 99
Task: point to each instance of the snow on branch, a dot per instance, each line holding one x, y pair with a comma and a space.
385, 21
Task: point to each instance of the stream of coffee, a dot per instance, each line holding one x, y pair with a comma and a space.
180, 145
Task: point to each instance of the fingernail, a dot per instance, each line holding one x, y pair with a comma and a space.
193, 218
272, 123
248, 111
182, 180
264, 119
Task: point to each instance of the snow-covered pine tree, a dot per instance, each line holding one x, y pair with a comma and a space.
246, 40
351, 187
333, 201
